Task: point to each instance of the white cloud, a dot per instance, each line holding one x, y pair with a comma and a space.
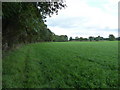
83, 18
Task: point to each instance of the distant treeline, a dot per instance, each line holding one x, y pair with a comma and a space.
91, 38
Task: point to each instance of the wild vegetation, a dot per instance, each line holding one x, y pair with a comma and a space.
24, 22
46, 60
62, 65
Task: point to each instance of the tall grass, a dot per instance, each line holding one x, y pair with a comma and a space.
62, 65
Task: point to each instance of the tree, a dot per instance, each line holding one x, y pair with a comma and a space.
24, 21
77, 38
48, 8
85, 39
101, 38
111, 37
70, 39
91, 38
61, 38
65, 38
81, 38
98, 38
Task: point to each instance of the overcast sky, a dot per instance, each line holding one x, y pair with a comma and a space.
84, 18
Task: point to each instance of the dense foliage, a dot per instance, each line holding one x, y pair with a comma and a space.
23, 22
111, 37
61, 38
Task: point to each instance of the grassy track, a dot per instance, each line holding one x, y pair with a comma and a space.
62, 64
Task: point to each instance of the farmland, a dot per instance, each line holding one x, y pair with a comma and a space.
62, 65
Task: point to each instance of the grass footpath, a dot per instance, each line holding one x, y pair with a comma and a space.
62, 65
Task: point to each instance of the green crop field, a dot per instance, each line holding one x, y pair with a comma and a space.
62, 65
